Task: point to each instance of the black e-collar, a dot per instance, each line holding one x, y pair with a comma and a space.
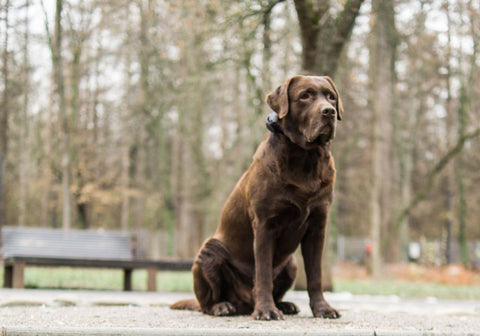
271, 123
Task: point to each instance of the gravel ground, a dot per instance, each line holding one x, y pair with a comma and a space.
25, 311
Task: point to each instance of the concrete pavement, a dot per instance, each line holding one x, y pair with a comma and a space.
66, 312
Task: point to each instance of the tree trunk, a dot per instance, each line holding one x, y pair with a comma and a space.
125, 208
465, 102
125, 179
4, 115
320, 55
125, 174
405, 147
140, 180
381, 74
22, 198
406, 192
185, 222
194, 186
447, 187
145, 104
460, 177
79, 176
47, 135
57, 61
407, 134
177, 181
287, 45
185, 228
267, 49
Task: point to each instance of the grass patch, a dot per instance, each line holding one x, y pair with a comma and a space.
105, 279
406, 289
66, 277
174, 281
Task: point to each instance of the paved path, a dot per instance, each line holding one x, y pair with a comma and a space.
44, 312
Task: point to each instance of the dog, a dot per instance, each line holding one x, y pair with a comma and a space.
281, 201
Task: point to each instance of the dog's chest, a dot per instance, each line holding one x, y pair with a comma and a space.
305, 189
290, 226
298, 206
307, 176
302, 205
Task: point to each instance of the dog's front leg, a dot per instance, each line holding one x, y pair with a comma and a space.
312, 250
263, 245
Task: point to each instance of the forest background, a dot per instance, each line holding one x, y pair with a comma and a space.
141, 115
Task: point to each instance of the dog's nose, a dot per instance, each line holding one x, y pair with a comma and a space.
328, 111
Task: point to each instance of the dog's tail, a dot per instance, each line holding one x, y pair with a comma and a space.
190, 304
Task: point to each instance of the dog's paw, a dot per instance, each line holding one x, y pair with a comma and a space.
324, 310
223, 309
288, 308
267, 313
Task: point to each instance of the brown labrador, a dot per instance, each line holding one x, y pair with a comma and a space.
281, 201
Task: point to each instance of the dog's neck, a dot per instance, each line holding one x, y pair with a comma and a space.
278, 131
284, 156
281, 140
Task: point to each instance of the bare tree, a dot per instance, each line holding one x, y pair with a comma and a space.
463, 120
57, 62
22, 199
381, 73
407, 127
324, 36
448, 184
4, 113
46, 135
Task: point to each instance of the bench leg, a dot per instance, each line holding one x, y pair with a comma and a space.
152, 279
13, 277
127, 279
8, 276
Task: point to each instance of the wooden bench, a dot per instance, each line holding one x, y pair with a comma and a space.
76, 248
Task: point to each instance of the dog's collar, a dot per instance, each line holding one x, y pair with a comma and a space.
271, 123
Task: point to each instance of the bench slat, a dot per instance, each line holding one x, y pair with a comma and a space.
173, 265
71, 244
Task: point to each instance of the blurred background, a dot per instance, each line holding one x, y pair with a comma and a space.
141, 115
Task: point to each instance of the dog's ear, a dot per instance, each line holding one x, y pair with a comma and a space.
339, 106
278, 99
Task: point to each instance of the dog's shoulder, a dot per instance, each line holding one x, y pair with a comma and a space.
262, 150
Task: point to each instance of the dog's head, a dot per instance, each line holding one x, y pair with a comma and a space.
308, 108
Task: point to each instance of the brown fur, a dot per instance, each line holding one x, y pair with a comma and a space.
189, 304
282, 201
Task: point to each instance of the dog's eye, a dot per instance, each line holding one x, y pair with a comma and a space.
305, 95
330, 96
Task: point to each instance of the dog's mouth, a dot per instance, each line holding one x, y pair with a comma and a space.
322, 134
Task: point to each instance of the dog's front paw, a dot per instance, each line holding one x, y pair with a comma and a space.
267, 313
323, 309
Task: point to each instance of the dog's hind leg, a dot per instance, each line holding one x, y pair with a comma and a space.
209, 281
